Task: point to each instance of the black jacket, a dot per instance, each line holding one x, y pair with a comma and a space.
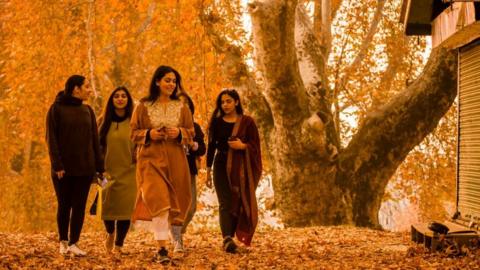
72, 137
192, 155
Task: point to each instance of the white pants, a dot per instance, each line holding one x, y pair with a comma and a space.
160, 226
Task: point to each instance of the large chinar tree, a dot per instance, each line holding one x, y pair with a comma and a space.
316, 180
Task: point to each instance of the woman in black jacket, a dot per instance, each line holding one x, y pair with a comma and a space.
194, 152
75, 157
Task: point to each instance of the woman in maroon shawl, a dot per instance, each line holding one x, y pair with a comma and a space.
234, 152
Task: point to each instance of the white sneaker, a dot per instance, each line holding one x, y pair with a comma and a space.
63, 247
75, 250
178, 247
177, 237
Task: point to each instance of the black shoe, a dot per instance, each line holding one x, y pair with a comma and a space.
162, 256
229, 245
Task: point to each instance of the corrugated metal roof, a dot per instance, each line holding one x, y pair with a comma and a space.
417, 15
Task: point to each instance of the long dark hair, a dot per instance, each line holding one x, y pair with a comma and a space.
154, 91
218, 112
72, 81
189, 101
109, 114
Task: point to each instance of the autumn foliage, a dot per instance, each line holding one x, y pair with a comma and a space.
116, 43
341, 247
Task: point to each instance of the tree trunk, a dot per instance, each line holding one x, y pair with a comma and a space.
303, 176
311, 186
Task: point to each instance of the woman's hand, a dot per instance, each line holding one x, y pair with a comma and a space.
172, 132
157, 135
106, 176
194, 146
209, 178
60, 174
237, 144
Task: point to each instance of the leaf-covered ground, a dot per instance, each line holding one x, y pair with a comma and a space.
307, 248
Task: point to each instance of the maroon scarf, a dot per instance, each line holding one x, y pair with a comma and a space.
244, 168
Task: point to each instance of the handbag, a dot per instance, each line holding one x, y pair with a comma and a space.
96, 208
93, 208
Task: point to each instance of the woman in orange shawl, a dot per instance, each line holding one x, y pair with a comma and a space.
161, 126
234, 152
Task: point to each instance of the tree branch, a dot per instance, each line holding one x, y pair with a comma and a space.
311, 60
335, 6
273, 30
321, 8
364, 46
394, 62
388, 134
148, 20
312, 66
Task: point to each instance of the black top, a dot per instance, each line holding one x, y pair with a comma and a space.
192, 155
72, 137
219, 139
118, 119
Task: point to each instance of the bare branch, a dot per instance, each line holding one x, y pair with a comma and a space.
334, 93
365, 44
369, 37
148, 20
335, 6
322, 23
324, 12
317, 19
339, 63
394, 61
326, 27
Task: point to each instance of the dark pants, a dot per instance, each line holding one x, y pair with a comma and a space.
228, 222
122, 230
72, 194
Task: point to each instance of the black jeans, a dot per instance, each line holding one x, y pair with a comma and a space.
72, 194
228, 222
122, 230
